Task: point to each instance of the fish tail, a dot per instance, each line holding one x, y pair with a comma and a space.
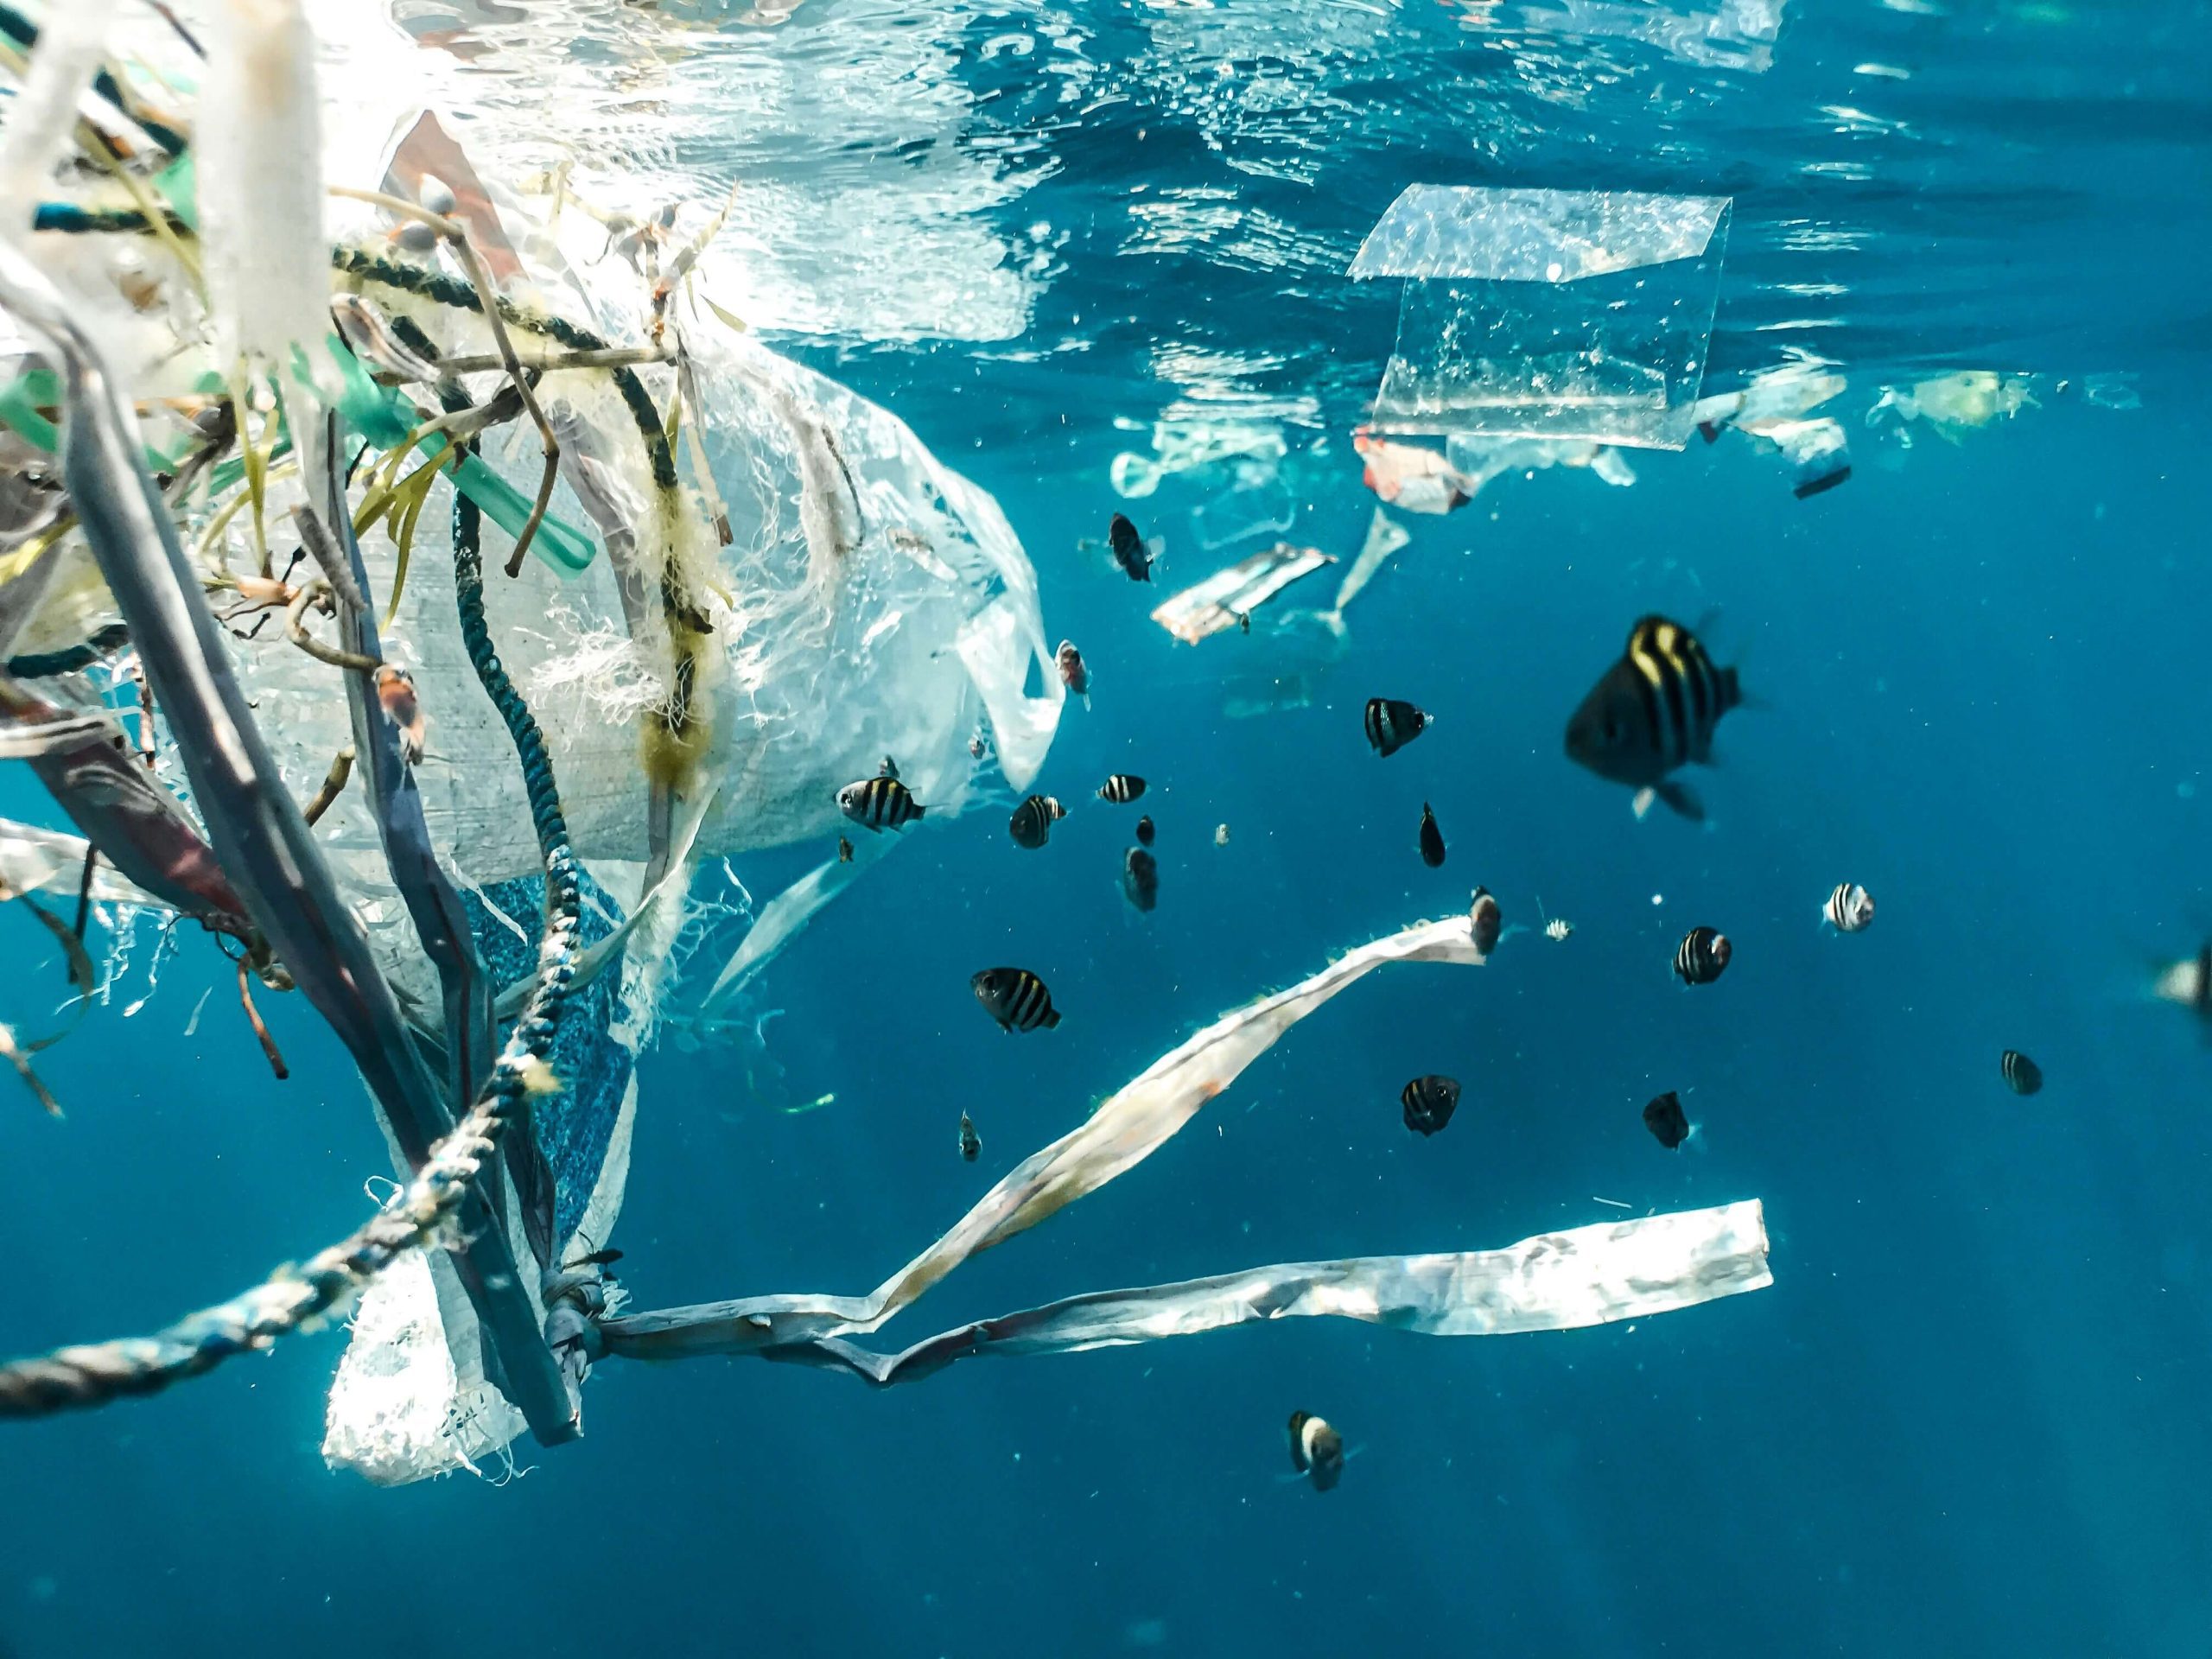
1051, 1019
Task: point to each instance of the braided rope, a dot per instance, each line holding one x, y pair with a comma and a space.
302, 1297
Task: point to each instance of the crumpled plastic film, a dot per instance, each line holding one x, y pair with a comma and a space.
1556, 1281
1547, 314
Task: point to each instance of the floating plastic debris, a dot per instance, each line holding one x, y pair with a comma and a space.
1550, 314
1951, 404
1186, 446
1773, 409
1260, 508
1228, 598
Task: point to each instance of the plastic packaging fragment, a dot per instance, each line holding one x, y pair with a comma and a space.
1547, 314
34, 860
41, 118
1595, 1275
1773, 411
1951, 404
1534, 235
1126, 1129
1183, 446
1385, 536
782, 918
1259, 507
1228, 598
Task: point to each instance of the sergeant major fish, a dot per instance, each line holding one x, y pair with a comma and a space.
878, 804
1703, 956
1429, 1102
1391, 724
1016, 998
1652, 711
1850, 908
1121, 789
1031, 822
1431, 839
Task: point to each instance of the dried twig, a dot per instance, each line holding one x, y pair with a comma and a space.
334, 785
296, 630
268, 1043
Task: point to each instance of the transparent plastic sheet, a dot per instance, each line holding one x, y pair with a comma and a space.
1261, 506
1547, 314
1612, 1270
1228, 598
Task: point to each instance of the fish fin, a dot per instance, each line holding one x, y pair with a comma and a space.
1086, 703
1681, 800
1155, 545
1641, 805
1709, 430
1051, 1019
920, 811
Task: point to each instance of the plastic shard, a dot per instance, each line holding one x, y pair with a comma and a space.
1547, 314
1225, 598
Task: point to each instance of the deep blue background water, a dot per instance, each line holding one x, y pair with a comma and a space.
1968, 1418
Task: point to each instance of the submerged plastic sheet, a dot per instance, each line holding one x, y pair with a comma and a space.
1547, 314
1555, 1281
1123, 1132
1226, 597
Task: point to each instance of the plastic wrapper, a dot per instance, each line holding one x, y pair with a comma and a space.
1228, 598
1547, 314
1187, 446
1950, 404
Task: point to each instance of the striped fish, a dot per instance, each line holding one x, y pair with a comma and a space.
2022, 1075
1703, 956
1429, 1103
1392, 724
1849, 908
879, 803
1031, 822
1653, 711
1121, 789
1016, 998
971, 1144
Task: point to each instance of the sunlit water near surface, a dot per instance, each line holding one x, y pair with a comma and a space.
1968, 1418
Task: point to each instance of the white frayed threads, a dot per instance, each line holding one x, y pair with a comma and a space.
260, 185
599, 675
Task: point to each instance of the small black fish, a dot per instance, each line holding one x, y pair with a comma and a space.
1316, 1449
2022, 1075
1652, 711
844, 850
1487, 919
1016, 998
1141, 878
879, 803
1145, 831
597, 1259
1031, 822
1121, 789
1703, 956
1131, 551
1664, 1118
1429, 1102
971, 1144
1391, 724
1431, 839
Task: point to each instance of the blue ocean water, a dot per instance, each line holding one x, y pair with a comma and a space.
1968, 1417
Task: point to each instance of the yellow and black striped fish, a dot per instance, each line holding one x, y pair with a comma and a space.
1849, 908
1016, 998
1653, 711
1121, 789
2022, 1075
878, 803
1703, 956
1033, 821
